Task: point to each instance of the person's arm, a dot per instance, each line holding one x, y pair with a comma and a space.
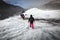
28, 19
33, 19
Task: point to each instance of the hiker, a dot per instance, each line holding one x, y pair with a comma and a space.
22, 15
31, 20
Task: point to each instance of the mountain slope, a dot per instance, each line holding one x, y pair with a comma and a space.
55, 5
7, 10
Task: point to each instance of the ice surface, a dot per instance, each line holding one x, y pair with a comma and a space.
15, 28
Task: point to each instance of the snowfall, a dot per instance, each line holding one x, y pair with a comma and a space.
15, 28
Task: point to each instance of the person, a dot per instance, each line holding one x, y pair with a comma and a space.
22, 15
31, 20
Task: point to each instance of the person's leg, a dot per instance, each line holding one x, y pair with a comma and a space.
23, 17
32, 26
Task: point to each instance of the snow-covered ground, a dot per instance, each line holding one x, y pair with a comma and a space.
39, 14
15, 28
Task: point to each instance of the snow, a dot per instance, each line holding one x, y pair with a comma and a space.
15, 28
39, 14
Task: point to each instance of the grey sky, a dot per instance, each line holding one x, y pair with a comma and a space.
28, 3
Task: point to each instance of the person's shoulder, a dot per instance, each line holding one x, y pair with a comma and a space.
33, 17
